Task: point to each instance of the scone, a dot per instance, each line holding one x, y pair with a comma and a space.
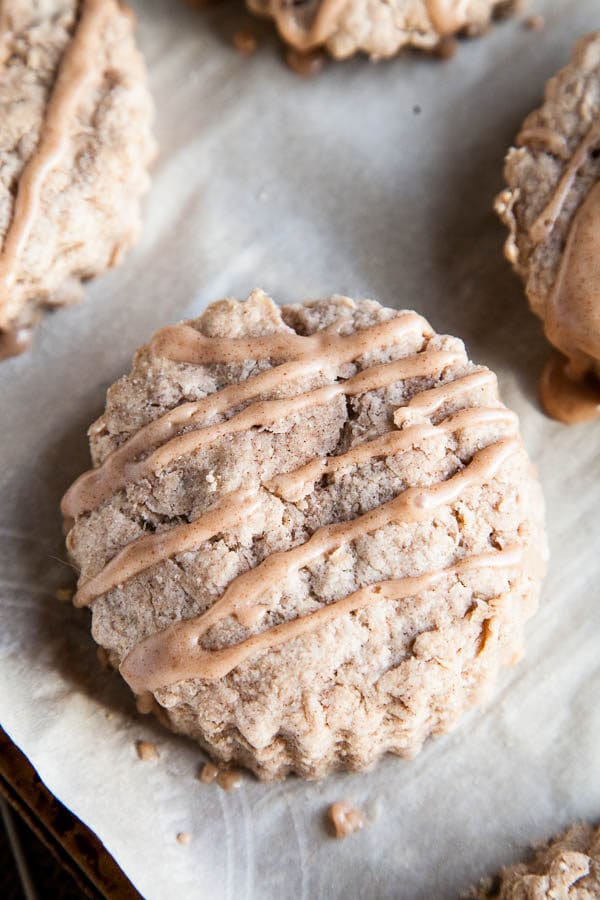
376, 27
311, 532
552, 209
567, 868
75, 145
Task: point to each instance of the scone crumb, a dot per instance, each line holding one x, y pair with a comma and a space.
306, 65
144, 703
345, 818
229, 779
207, 773
446, 48
245, 42
534, 23
64, 595
184, 838
102, 657
146, 750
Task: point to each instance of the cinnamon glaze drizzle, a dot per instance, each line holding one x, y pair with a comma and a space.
446, 16
324, 352
77, 68
543, 225
175, 654
569, 386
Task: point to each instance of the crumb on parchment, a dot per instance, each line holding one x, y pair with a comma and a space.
146, 750
345, 818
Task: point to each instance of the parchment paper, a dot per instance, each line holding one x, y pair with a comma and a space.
373, 181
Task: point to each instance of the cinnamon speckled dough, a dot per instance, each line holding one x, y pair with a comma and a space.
379, 679
88, 212
567, 868
376, 27
546, 147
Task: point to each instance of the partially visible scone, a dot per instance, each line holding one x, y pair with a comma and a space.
376, 27
552, 209
566, 868
312, 532
75, 144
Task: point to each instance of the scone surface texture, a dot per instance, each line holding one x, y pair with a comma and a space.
566, 868
311, 532
75, 144
376, 27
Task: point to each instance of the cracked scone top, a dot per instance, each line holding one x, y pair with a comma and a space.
75, 145
311, 532
376, 27
566, 868
552, 209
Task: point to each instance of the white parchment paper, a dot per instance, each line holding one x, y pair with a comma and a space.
373, 181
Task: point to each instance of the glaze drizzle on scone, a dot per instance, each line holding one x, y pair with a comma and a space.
379, 28
290, 378
552, 209
59, 126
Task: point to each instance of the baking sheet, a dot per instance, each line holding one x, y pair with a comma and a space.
373, 181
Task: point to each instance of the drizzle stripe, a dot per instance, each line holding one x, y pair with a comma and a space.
173, 655
268, 412
293, 486
428, 402
97, 485
184, 344
150, 549
77, 68
321, 30
412, 504
546, 220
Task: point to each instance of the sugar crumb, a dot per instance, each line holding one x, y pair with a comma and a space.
446, 48
534, 23
229, 779
146, 750
144, 703
345, 818
245, 42
306, 65
207, 773
184, 838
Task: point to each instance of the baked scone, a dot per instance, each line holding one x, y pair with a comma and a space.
376, 27
552, 209
566, 868
75, 144
312, 532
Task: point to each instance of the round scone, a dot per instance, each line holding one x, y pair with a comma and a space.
566, 868
552, 209
75, 146
311, 532
376, 27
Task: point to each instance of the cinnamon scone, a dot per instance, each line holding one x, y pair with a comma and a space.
311, 535
566, 868
75, 146
552, 210
376, 27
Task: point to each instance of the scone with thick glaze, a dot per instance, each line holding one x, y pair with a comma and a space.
376, 27
311, 533
552, 209
75, 146
566, 868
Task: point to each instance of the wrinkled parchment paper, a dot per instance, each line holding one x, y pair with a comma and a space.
373, 181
